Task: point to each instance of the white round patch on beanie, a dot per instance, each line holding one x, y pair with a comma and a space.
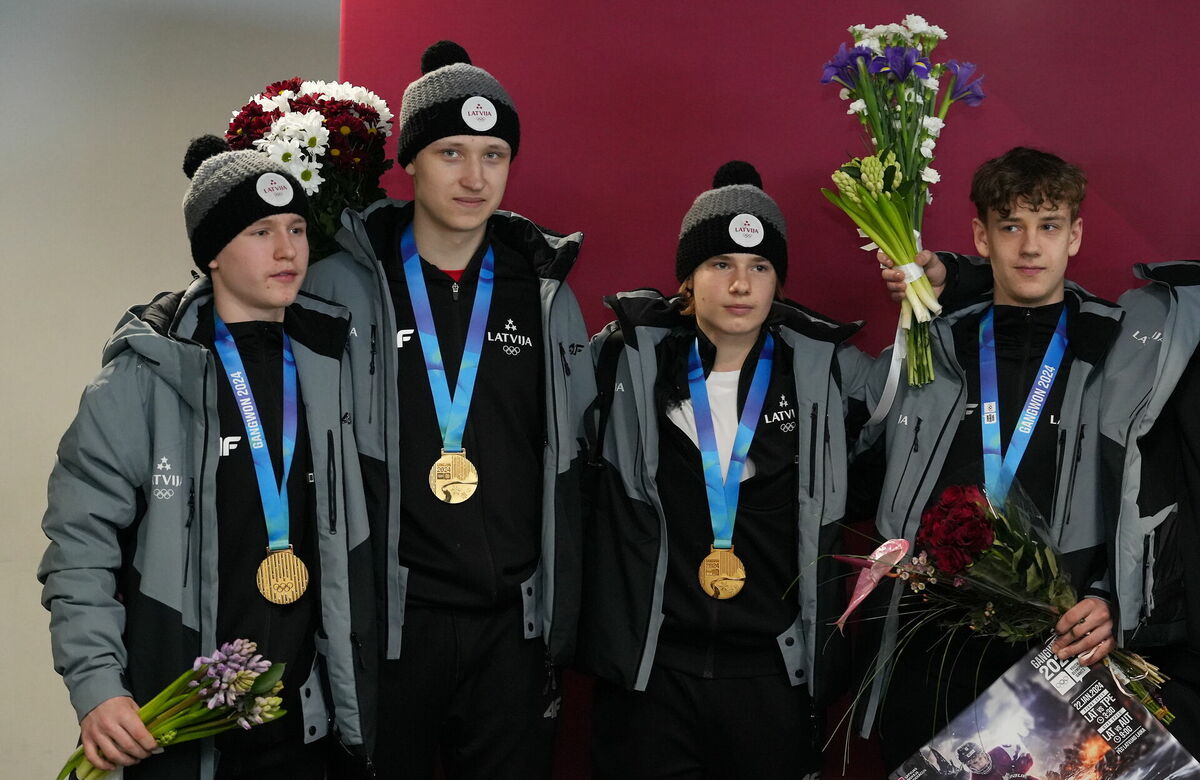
746, 230
479, 113
274, 189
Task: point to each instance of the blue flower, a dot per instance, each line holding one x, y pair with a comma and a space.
900, 61
843, 68
966, 90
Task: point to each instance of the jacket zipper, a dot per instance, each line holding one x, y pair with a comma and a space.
916, 447
962, 389
1078, 455
330, 489
562, 353
829, 462
812, 451
371, 371
358, 649
454, 290
1061, 452
187, 529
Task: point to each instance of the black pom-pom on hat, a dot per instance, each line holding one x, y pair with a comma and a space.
736, 172
200, 149
441, 54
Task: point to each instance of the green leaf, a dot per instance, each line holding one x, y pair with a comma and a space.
266, 681
853, 171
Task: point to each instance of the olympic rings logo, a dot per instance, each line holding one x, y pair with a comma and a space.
512, 350
787, 427
163, 493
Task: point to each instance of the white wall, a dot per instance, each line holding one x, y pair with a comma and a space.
98, 99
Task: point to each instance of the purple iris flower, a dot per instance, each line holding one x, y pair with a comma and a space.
843, 68
901, 61
966, 90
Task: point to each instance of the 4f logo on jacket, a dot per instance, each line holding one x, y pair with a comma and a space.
509, 339
403, 336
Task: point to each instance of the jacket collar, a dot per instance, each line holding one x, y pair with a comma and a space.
1092, 323
369, 235
648, 307
1174, 273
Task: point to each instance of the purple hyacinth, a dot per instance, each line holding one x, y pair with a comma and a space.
900, 61
229, 672
965, 90
843, 68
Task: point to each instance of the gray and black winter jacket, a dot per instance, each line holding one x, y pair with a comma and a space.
356, 278
1159, 336
915, 437
626, 561
130, 575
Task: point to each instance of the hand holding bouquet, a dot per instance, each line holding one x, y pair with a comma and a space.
236, 687
898, 95
991, 572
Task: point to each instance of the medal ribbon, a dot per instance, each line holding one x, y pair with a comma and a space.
723, 493
451, 412
999, 473
274, 495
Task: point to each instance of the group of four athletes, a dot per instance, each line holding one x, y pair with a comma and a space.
406, 473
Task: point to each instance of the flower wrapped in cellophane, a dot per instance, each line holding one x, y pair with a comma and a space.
331, 136
235, 688
900, 98
992, 573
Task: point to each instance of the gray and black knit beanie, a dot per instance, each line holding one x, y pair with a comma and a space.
453, 98
734, 216
231, 190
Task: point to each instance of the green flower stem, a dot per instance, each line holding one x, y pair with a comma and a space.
170, 713
151, 708
861, 219
72, 763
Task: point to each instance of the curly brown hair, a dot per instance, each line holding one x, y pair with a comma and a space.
1030, 178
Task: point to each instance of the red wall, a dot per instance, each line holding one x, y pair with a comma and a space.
627, 108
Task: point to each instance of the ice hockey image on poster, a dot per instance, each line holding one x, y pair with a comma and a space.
1047, 719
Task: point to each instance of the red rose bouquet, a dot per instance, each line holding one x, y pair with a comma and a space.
331, 136
992, 573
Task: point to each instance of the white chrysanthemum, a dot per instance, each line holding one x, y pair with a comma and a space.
931, 175
340, 90
844, 93
857, 29
277, 103
857, 107
872, 43
307, 129
309, 177
286, 151
936, 32
916, 24
933, 125
927, 147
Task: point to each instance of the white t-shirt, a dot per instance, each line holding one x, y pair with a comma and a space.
722, 399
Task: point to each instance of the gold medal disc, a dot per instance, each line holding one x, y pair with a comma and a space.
722, 574
453, 478
282, 577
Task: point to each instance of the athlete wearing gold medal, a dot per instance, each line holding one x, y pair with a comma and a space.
209, 490
720, 473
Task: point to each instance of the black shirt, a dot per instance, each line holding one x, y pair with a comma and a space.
284, 632
734, 637
475, 554
1022, 336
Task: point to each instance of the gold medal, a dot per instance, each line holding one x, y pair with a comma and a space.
453, 478
722, 574
282, 577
